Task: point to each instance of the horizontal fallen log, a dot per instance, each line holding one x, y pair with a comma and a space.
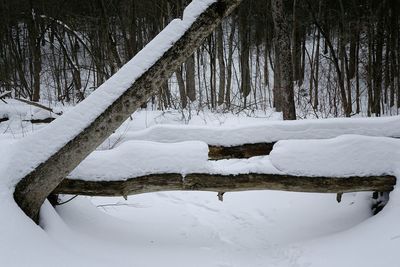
226, 183
240, 151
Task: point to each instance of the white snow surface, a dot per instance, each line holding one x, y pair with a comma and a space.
257, 228
263, 228
269, 131
346, 155
138, 158
39, 146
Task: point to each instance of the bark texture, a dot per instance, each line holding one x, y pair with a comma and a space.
33, 189
241, 151
226, 183
282, 41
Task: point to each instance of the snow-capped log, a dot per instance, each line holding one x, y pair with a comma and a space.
73, 136
266, 132
225, 183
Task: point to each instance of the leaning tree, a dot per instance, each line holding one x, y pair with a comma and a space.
180, 40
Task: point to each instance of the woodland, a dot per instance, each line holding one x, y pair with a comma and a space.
344, 54
118, 118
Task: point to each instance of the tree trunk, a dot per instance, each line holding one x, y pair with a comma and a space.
32, 189
316, 76
226, 183
378, 70
190, 79
282, 39
229, 63
221, 64
181, 86
244, 55
35, 52
277, 89
296, 44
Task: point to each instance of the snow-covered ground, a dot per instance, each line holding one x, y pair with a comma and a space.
258, 228
262, 228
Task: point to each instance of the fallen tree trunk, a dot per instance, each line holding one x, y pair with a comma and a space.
241, 151
225, 183
34, 187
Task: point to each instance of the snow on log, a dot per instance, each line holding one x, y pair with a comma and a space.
142, 166
267, 132
225, 183
345, 155
42, 160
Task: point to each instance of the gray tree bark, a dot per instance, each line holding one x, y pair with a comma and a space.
226, 183
221, 64
181, 86
190, 79
34, 188
282, 39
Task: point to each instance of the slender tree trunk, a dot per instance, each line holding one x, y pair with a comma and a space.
35, 51
181, 86
229, 63
245, 86
316, 76
221, 63
296, 44
378, 70
277, 89
190, 78
213, 66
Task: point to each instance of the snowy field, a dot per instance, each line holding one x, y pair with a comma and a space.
257, 228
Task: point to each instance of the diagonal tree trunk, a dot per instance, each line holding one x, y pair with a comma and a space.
33, 188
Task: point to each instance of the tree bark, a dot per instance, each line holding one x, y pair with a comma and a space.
32, 190
282, 39
221, 65
181, 86
244, 53
230, 63
190, 79
226, 183
241, 151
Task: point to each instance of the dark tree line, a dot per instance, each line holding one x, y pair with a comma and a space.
341, 58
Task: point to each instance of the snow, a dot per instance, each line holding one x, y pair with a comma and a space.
269, 131
255, 228
137, 158
346, 155
195, 229
262, 228
37, 147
